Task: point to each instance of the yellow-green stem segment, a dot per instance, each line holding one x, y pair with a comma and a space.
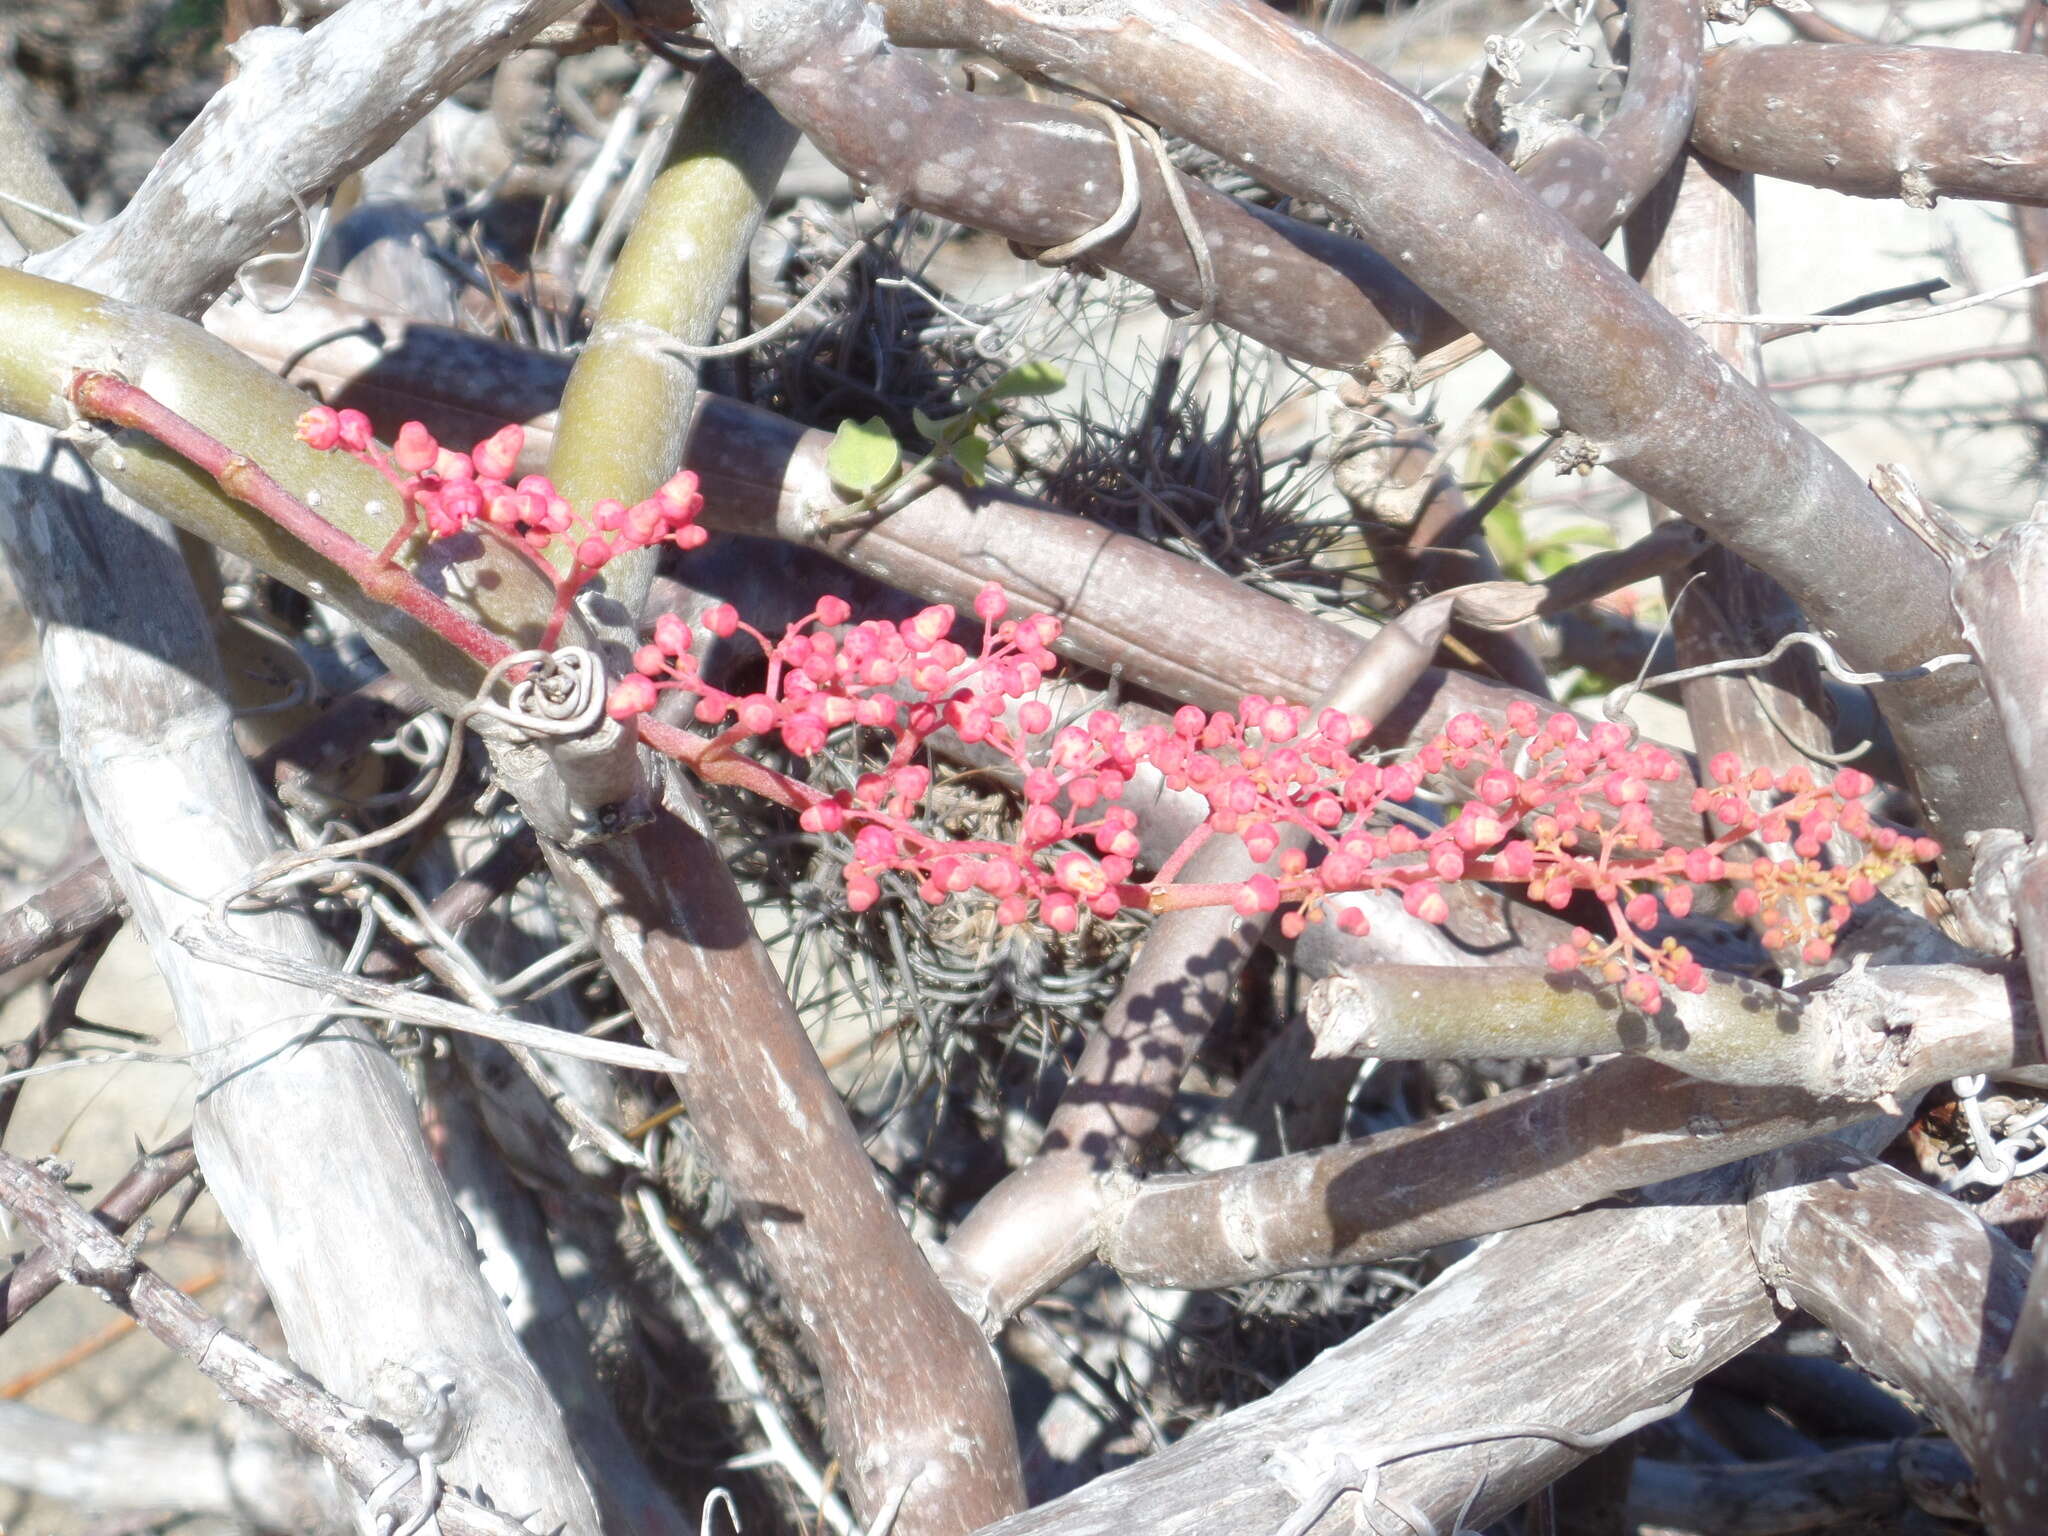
627, 408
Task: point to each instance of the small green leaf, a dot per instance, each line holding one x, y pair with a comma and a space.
971, 454
1033, 378
863, 456
934, 428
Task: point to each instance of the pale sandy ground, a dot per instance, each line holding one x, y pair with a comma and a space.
1819, 249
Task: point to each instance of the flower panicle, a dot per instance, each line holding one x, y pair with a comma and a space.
1544, 802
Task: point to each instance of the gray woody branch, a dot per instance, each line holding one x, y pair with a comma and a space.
1679, 1295
914, 1401
1924, 1294
303, 111
297, 1146
1536, 1152
1911, 123
2002, 595
1693, 243
1867, 1033
1043, 176
1624, 372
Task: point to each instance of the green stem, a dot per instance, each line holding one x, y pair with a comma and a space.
105, 397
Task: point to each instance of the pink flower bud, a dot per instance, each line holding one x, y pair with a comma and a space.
1465, 730
1641, 911
497, 456
649, 661
833, 610
1041, 825
722, 619
1353, 921
680, 497
990, 604
861, 890
415, 450
630, 696
355, 431
672, 634
1563, 957
1498, 786
320, 428
1060, 912
1261, 839
1277, 722
874, 844
1425, 900
1261, 893
803, 733
757, 714
927, 628
592, 553
1642, 990
825, 816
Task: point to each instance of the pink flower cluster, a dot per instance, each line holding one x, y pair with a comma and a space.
453, 490
1553, 807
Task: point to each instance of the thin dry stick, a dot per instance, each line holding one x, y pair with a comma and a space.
209, 940
350, 1440
154, 1175
739, 1359
1825, 319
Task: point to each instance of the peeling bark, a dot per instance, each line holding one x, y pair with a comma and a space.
1922, 1292
1679, 1294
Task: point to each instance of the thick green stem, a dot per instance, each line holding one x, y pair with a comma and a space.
105, 397
631, 398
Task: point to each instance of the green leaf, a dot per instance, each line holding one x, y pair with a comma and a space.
934, 428
971, 454
863, 456
1033, 378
